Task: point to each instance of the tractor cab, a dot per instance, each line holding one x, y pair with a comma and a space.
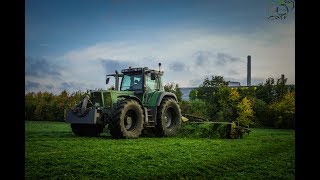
140, 80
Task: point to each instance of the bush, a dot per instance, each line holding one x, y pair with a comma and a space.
284, 111
185, 107
196, 107
261, 114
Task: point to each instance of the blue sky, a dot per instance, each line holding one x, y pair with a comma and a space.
72, 44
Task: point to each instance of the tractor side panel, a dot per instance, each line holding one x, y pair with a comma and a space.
154, 98
90, 118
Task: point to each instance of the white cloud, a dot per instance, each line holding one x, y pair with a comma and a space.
272, 49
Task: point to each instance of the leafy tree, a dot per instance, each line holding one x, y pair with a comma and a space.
249, 92
30, 105
245, 112
214, 82
261, 113
208, 88
266, 91
234, 99
174, 88
284, 111
195, 107
193, 95
281, 88
272, 91
234, 95
178, 92
199, 108
62, 102
222, 102
43, 108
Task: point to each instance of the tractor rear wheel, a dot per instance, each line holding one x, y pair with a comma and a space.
168, 118
90, 130
126, 120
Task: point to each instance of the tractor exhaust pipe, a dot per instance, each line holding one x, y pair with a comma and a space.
159, 66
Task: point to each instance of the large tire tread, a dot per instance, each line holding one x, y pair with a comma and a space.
161, 129
116, 126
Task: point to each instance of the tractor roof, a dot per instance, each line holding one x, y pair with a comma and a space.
139, 69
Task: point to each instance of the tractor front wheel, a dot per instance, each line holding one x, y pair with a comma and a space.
127, 120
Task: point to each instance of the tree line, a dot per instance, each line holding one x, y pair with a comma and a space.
270, 104
45, 106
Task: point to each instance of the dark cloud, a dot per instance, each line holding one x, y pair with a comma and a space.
223, 58
41, 68
31, 85
203, 57
207, 58
66, 85
111, 65
49, 86
177, 66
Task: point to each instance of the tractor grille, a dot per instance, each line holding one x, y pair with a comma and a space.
107, 99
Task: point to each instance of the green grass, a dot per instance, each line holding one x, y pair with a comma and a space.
53, 152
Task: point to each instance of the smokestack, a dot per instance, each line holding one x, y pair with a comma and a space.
249, 71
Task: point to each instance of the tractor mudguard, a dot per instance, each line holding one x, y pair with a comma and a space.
166, 94
132, 97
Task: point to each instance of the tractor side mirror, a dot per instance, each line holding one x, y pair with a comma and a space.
153, 76
107, 80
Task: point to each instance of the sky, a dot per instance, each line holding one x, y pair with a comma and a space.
72, 45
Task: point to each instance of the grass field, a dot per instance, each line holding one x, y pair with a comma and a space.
53, 152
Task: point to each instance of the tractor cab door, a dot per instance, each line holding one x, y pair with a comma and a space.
151, 86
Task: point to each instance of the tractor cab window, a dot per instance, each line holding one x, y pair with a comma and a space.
151, 84
131, 82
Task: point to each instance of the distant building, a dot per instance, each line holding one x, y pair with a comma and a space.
233, 84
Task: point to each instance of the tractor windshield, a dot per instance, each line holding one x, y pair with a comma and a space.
131, 82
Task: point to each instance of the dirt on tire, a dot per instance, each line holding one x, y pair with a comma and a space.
168, 118
126, 120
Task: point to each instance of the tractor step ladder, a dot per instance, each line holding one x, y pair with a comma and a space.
151, 122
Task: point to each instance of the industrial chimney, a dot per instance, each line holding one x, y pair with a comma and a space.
249, 71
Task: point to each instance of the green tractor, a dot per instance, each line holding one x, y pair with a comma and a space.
139, 106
